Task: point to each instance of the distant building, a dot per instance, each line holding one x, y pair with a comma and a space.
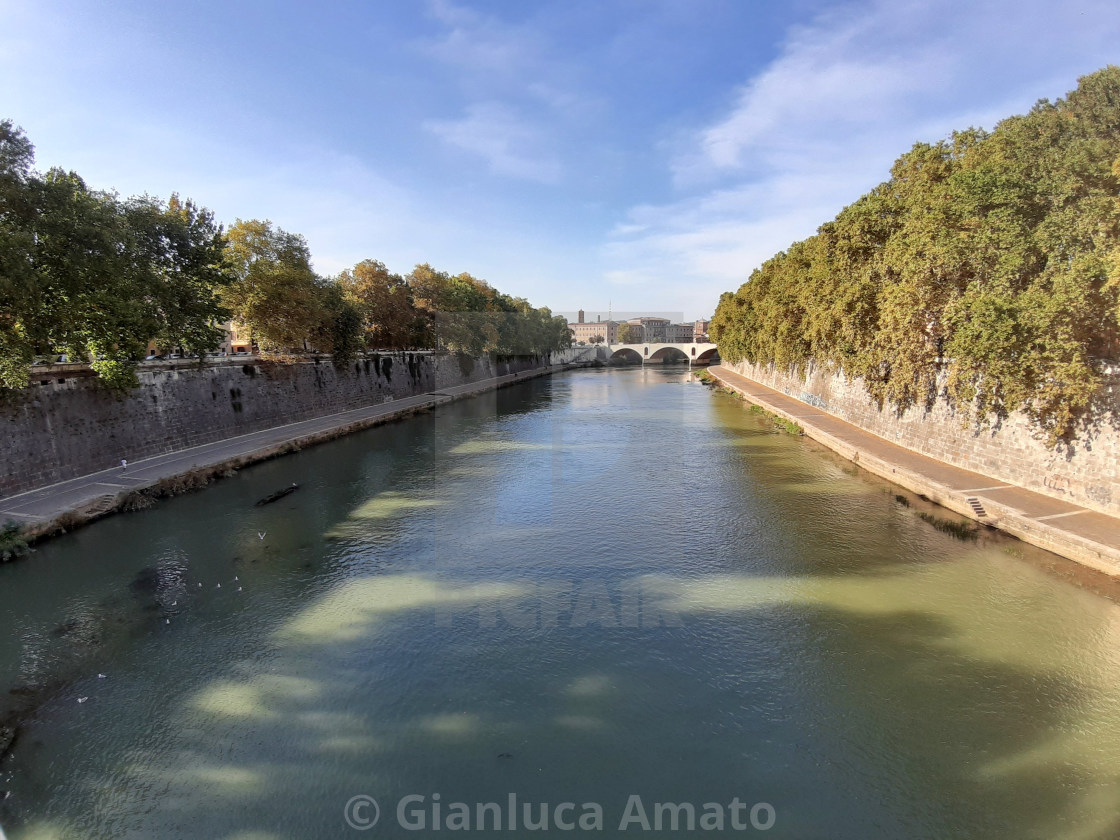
679, 333
643, 329
587, 332
653, 329
237, 338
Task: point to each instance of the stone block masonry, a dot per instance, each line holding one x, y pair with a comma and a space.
62, 429
1084, 473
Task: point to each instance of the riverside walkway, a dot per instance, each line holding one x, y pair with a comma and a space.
1087, 536
87, 497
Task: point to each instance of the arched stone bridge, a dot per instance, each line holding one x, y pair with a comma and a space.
695, 353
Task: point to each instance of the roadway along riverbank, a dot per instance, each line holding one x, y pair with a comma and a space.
1087, 536
59, 507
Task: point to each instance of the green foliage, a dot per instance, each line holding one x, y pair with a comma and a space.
780, 423
340, 328
84, 272
185, 250
116, 374
87, 273
466, 315
987, 266
274, 292
12, 543
627, 334
385, 305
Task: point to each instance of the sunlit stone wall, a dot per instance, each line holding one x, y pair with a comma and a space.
1086, 472
62, 429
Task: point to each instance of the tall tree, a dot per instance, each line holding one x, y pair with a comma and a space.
185, 251
384, 304
275, 291
19, 282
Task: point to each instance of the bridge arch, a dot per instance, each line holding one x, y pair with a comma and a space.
668, 355
625, 356
707, 357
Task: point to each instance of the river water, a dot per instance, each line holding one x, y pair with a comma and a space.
613, 588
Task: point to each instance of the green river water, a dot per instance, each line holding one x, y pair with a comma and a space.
611, 588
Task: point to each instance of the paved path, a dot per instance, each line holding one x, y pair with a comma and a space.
1084, 535
98, 493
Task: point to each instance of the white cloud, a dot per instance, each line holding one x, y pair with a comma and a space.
510, 145
821, 124
478, 43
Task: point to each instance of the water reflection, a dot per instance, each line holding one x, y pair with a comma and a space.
457, 603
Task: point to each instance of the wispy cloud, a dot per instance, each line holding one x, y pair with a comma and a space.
521, 96
820, 125
510, 145
482, 44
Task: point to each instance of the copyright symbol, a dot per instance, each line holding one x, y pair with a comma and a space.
361, 812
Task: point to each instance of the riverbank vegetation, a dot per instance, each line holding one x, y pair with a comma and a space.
986, 270
96, 277
780, 423
12, 542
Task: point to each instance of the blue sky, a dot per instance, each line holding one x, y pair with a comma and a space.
576, 152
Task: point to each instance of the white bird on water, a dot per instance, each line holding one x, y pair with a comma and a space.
101, 676
82, 699
261, 534
219, 586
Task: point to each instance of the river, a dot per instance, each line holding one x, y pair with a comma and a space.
612, 588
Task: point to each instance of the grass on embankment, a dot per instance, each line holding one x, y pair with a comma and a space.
781, 423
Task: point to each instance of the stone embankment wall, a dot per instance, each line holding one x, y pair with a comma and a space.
70, 427
1086, 472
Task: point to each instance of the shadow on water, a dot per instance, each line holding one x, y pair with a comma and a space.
883, 680
932, 742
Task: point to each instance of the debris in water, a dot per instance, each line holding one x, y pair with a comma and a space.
279, 494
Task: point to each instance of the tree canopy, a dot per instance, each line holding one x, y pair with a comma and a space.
986, 269
87, 273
